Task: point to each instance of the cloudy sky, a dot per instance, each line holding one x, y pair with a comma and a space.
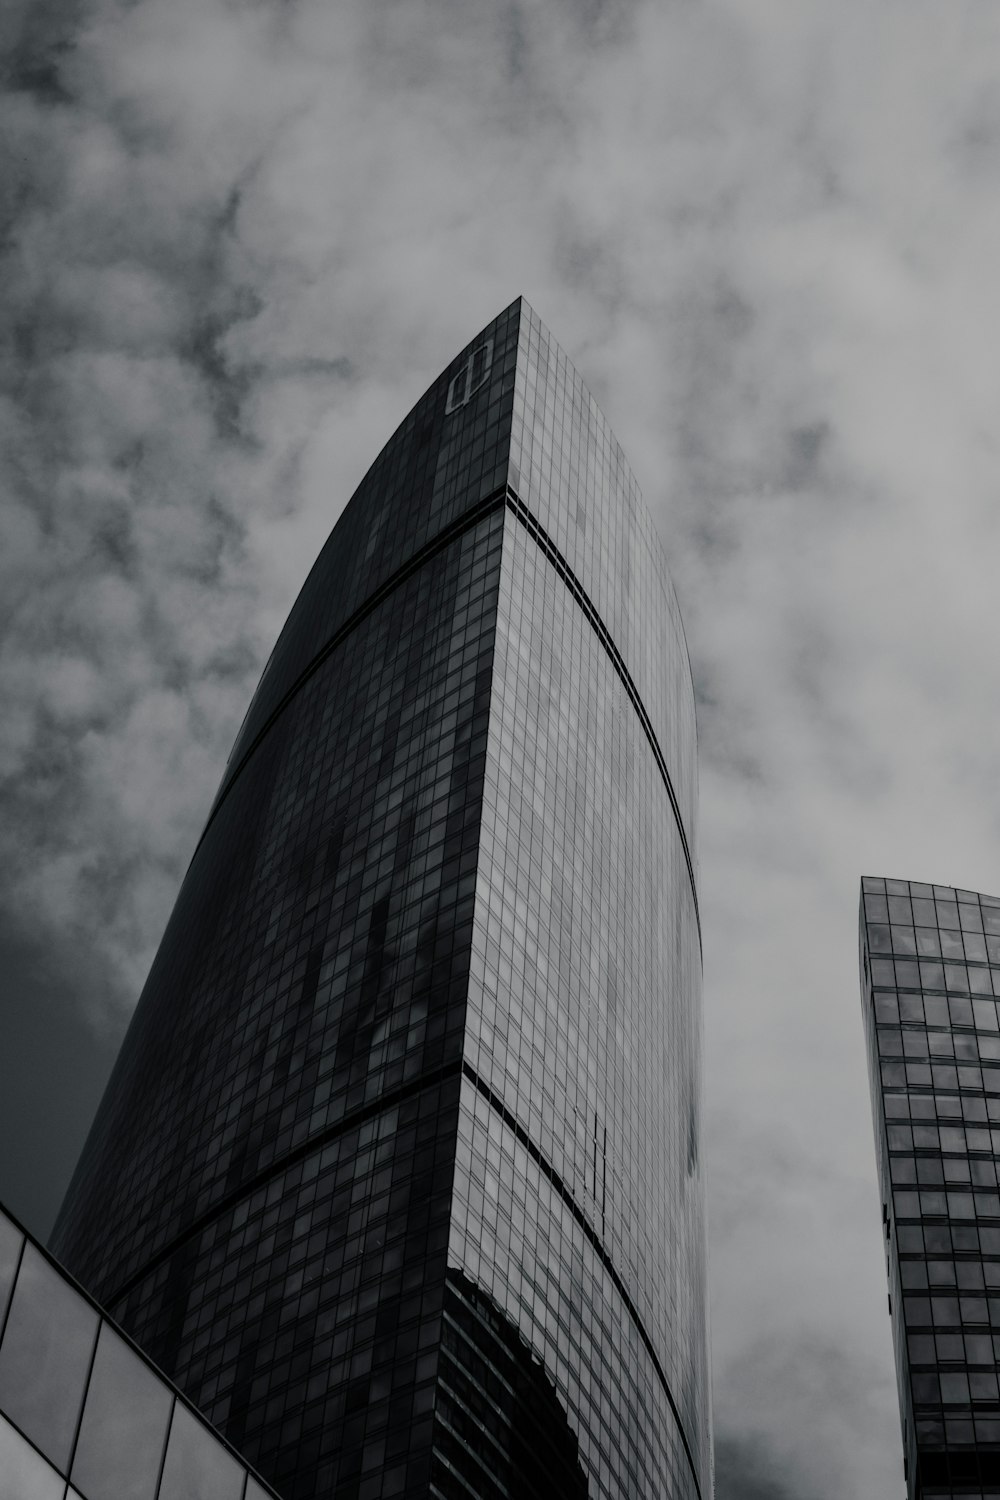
241, 236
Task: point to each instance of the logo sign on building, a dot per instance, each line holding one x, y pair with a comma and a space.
471, 376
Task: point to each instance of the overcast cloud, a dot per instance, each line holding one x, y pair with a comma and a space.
240, 238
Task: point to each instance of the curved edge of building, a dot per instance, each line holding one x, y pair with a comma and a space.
472, 437
441, 933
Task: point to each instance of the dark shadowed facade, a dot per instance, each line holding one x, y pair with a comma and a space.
398, 1172
934, 1058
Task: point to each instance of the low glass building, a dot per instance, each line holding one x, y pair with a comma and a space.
930, 972
83, 1414
398, 1173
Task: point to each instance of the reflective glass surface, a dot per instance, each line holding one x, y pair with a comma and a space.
568, 468
930, 969
500, 1428
427, 1015
11, 1241
117, 1449
438, 466
582, 1027
196, 1466
45, 1355
120, 1447
24, 1473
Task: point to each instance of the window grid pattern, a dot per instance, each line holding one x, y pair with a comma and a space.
435, 467
83, 1415
930, 961
583, 1018
331, 974
500, 1430
568, 467
293, 1169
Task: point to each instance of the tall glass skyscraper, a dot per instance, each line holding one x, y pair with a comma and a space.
930, 969
398, 1172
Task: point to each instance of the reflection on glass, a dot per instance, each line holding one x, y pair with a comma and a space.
24, 1474
124, 1426
590, 974
45, 1355
197, 1466
11, 1240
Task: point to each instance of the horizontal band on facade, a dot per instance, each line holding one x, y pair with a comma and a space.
307, 1148
537, 532
370, 1111
549, 1172
465, 522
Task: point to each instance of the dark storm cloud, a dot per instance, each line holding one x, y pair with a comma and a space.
745, 1469
825, 1411
238, 241
53, 1065
125, 577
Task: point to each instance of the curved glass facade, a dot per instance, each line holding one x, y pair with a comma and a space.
409, 1109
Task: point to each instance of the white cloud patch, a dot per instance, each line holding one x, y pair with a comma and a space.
239, 241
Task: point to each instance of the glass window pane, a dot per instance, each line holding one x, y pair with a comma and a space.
124, 1425
11, 1240
256, 1491
197, 1466
45, 1356
24, 1474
